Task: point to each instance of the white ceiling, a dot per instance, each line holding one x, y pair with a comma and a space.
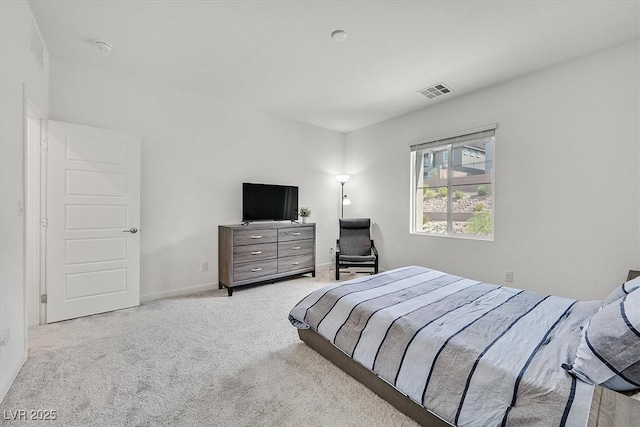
278, 55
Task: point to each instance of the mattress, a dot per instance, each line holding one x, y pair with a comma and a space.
473, 353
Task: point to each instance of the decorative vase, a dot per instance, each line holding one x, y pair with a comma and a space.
305, 219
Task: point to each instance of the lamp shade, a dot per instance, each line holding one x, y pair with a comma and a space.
346, 201
342, 178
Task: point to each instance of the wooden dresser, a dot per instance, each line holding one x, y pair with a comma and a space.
256, 253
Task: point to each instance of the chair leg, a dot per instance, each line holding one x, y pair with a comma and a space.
337, 268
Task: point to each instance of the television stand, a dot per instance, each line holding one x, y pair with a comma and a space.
251, 254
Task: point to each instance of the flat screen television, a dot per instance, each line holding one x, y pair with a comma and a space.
268, 202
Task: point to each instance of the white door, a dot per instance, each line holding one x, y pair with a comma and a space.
92, 221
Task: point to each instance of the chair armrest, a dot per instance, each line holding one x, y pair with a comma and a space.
337, 246
373, 248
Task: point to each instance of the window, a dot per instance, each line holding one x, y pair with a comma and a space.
452, 185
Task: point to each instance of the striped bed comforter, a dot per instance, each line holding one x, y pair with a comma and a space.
474, 354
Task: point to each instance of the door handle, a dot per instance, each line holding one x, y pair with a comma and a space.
132, 230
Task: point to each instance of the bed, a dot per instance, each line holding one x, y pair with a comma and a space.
447, 350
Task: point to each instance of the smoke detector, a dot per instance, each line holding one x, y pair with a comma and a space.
339, 35
104, 46
435, 90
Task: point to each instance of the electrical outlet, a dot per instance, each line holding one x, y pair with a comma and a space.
508, 276
330, 251
204, 266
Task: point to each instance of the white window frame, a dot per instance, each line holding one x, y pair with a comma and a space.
450, 139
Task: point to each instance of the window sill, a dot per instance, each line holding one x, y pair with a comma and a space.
456, 236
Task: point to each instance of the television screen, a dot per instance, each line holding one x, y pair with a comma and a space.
263, 202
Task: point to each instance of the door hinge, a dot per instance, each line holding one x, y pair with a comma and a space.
43, 298
44, 222
45, 145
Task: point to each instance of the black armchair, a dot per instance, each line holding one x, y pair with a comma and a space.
355, 248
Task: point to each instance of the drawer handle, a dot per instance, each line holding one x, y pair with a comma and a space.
256, 237
295, 263
295, 233
256, 252
253, 270
295, 248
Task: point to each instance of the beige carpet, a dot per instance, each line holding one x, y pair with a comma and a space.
202, 360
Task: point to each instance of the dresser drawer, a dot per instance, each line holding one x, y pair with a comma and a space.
295, 247
292, 263
250, 253
254, 270
295, 233
252, 236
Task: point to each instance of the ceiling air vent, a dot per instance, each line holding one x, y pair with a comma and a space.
435, 90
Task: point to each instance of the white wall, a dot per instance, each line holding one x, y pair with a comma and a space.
196, 152
567, 183
19, 71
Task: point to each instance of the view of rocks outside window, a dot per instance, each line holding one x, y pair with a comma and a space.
456, 189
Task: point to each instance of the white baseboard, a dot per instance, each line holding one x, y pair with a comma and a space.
8, 381
179, 292
200, 288
325, 266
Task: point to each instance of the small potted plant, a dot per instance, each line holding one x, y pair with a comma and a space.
305, 213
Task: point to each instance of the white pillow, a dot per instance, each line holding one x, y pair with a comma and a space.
619, 292
609, 351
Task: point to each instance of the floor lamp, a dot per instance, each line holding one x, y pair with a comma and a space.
344, 199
